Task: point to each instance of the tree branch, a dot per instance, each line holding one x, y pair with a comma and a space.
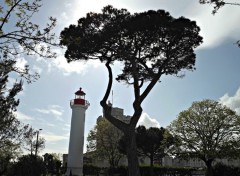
8, 14
108, 109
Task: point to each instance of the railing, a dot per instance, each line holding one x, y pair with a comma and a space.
79, 102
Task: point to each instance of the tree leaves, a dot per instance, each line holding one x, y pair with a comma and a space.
25, 37
207, 130
103, 142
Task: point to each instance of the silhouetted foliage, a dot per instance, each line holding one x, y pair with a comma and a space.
31, 141
145, 171
28, 165
91, 169
52, 164
148, 44
223, 170
152, 143
9, 125
11, 129
14, 135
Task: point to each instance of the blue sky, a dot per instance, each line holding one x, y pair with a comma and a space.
45, 103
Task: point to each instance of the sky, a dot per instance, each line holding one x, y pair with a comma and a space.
44, 104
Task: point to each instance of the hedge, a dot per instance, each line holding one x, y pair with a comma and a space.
144, 170
223, 170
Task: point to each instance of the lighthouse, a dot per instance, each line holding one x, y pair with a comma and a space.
75, 151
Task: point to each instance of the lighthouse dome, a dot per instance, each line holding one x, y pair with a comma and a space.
80, 92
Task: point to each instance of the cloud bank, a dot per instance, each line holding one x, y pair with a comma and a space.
53, 110
23, 117
147, 121
232, 102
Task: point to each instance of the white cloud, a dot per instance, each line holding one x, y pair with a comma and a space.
75, 66
60, 63
215, 29
66, 127
21, 63
22, 117
55, 110
148, 121
53, 137
81, 8
232, 102
50, 125
37, 69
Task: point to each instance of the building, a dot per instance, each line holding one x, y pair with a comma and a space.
118, 113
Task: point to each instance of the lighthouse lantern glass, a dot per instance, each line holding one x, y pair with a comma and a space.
80, 97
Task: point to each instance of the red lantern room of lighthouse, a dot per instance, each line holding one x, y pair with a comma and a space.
80, 98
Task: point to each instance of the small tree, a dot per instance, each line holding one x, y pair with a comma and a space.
207, 130
153, 142
31, 142
103, 142
148, 44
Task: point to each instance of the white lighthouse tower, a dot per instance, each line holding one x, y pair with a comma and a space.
75, 151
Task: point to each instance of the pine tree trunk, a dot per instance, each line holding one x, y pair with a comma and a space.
133, 166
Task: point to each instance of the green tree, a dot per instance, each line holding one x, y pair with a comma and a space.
9, 125
153, 142
19, 36
13, 134
207, 130
103, 142
11, 129
148, 44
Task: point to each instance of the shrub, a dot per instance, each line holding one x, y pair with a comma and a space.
145, 171
120, 171
89, 169
223, 170
161, 171
28, 165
